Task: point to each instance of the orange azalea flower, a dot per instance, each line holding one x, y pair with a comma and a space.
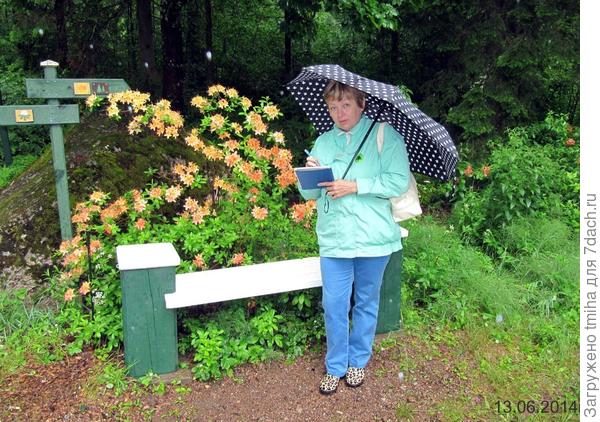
252, 199
89, 101
254, 143
222, 103
263, 153
238, 259
200, 102
156, 192
232, 159
140, 205
237, 128
136, 194
199, 214
254, 190
98, 196
69, 295
246, 103
570, 142
301, 211
95, 245
256, 176
271, 111
194, 141
215, 89
216, 122
85, 288
286, 178
192, 167
199, 261
81, 217
179, 169
278, 137
187, 179
486, 170
232, 145
212, 153
260, 128
468, 171
232, 93
260, 213
190, 204
140, 224
173, 193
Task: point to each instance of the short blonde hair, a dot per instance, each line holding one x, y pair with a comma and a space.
335, 90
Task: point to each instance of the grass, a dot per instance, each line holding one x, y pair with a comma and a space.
27, 332
19, 165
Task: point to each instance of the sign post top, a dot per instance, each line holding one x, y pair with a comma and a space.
49, 63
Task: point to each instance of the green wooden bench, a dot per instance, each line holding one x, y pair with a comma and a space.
152, 292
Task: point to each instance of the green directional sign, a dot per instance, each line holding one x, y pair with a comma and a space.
73, 88
24, 115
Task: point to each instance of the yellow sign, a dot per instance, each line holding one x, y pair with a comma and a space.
24, 115
81, 88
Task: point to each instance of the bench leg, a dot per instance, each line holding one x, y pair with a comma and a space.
149, 328
389, 318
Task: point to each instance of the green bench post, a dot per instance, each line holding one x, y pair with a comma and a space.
389, 316
149, 328
5, 146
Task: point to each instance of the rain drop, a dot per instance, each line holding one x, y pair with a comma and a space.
281, 93
91, 46
40, 31
499, 319
146, 65
208, 55
401, 376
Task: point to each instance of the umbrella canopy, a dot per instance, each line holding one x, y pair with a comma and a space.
431, 151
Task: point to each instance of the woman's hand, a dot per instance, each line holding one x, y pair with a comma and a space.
312, 162
340, 188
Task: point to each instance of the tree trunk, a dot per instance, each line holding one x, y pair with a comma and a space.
150, 76
174, 63
210, 67
62, 46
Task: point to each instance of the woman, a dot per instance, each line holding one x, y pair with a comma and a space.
355, 229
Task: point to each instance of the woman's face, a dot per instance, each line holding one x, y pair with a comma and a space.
345, 113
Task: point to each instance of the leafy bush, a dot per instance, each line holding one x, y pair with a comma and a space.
535, 173
230, 209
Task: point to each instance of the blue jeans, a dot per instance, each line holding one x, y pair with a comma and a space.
350, 346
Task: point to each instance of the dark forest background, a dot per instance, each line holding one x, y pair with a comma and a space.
477, 66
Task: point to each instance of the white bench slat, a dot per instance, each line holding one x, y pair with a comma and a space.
241, 282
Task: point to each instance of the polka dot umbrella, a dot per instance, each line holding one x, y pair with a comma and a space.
431, 151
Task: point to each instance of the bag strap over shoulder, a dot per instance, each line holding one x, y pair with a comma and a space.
380, 137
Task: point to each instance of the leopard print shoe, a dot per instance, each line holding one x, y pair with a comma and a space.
329, 384
355, 376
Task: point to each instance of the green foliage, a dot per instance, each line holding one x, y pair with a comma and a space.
235, 335
534, 174
19, 165
28, 332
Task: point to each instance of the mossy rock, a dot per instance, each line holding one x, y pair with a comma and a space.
101, 155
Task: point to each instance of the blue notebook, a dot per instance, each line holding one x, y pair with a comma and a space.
309, 177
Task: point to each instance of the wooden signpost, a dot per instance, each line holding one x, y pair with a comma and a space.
54, 114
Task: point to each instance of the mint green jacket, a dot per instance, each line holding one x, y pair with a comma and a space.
361, 224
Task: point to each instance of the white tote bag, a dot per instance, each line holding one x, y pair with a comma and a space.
407, 205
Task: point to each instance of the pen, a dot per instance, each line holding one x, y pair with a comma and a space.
307, 153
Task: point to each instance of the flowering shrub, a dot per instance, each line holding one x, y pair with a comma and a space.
229, 209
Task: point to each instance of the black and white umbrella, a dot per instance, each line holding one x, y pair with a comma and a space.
431, 151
